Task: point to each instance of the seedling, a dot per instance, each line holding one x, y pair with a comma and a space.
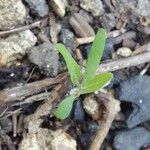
88, 81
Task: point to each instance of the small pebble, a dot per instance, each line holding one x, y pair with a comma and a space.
40, 7
129, 43
91, 106
92, 127
143, 8
95, 7
79, 113
81, 26
85, 140
68, 39
108, 20
12, 14
58, 6
6, 125
132, 139
45, 56
124, 52
62, 140
86, 15
136, 91
14, 47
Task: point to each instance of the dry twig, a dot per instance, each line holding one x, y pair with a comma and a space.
115, 35
124, 63
21, 92
46, 107
30, 26
112, 108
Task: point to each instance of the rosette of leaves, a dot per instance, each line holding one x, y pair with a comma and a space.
88, 81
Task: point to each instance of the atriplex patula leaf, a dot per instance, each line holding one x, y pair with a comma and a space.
95, 55
64, 108
98, 82
73, 67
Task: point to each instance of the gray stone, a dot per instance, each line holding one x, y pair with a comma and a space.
86, 15
68, 39
139, 6
79, 114
15, 47
121, 5
124, 51
90, 105
45, 56
108, 20
132, 139
12, 14
59, 6
93, 6
136, 90
39, 6
25, 39
81, 27
143, 8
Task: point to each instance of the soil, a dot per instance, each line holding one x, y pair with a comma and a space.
34, 77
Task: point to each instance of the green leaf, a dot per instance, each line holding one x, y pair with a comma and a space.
65, 107
98, 82
73, 67
95, 55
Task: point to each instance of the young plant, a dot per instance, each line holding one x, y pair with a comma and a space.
88, 81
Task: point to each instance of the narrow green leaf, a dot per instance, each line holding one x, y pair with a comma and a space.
98, 82
95, 55
73, 67
65, 107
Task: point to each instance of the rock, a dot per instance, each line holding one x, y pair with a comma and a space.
92, 127
62, 140
122, 4
91, 106
58, 6
124, 52
15, 47
93, 6
12, 14
44, 139
40, 140
136, 90
130, 43
81, 26
40, 7
25, 39
9, 53
143, 8
68, 39
79, 114
45, 56
132, 139
86, 15
139, 6
109, 21
6, 125
118, 77
85, 140
89, 130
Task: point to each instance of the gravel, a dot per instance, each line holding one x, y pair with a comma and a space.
45, 56
131, 139
12, 14
136, 90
